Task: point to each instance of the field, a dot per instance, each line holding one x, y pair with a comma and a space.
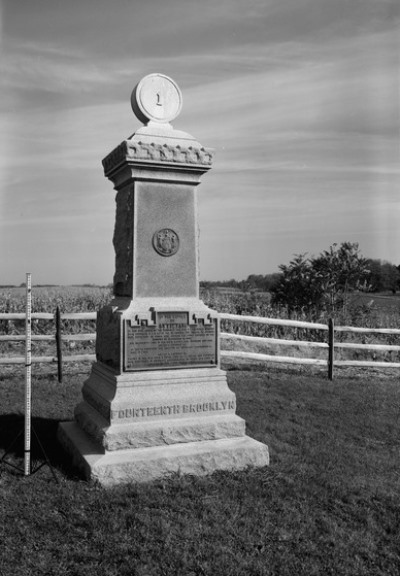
326, 505
365, 310
382, 308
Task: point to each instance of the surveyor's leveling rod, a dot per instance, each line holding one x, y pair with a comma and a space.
28, 371
28, 393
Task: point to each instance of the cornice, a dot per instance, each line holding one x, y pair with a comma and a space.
130, 152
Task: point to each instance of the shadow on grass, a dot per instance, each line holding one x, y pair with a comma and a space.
44, 444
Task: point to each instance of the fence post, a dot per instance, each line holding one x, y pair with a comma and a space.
331, 343
58, 345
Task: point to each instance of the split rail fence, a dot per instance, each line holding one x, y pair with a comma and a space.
330, 345
58, 337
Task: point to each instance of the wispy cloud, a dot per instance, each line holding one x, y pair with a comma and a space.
49, 68
299, 98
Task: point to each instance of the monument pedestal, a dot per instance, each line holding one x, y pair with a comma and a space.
144, 425
156, 401
147, 464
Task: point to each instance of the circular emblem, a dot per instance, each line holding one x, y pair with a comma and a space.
156, 97
166, 242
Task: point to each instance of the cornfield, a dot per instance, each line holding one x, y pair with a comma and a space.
365, 310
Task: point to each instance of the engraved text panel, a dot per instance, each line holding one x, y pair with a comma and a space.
171, 343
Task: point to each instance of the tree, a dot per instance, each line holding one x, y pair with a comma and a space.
296, 288
321, 283
258, 282
339, 271
383, 276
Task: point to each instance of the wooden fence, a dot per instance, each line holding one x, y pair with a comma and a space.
330, 345
58, 337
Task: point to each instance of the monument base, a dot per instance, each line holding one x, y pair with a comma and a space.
140, 426
148, 464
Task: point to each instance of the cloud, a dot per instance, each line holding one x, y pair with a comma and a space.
300, 100
49, 68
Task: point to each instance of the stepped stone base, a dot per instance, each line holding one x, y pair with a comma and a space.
152, 463
156, 433
141, 426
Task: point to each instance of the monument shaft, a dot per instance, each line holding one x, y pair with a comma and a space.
156, 401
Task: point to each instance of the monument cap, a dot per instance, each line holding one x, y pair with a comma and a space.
156, 98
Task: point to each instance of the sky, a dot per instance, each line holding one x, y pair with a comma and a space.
299, 99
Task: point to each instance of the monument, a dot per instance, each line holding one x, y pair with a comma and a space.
156, 401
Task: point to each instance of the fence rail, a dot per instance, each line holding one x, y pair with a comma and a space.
331, 345
330, 362
275, 321
58, 337
269, 358
262, 340
22, 316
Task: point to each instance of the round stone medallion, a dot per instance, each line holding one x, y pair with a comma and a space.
166, 242
157, 98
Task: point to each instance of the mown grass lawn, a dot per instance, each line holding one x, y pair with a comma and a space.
328, 504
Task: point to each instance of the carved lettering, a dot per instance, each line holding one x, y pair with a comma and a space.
151, 411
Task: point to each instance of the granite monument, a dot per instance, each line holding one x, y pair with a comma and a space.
156, 401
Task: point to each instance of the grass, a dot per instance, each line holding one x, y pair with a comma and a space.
327, 504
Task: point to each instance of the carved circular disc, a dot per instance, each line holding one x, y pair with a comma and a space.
156, 97
166, 242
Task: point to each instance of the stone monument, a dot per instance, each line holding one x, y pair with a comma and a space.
156, 401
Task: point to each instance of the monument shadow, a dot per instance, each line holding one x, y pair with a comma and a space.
44, 444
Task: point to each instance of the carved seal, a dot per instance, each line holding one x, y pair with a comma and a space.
166, 242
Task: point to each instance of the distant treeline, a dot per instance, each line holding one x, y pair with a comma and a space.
382, 277
254, 282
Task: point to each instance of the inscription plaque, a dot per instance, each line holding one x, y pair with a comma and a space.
171, 343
